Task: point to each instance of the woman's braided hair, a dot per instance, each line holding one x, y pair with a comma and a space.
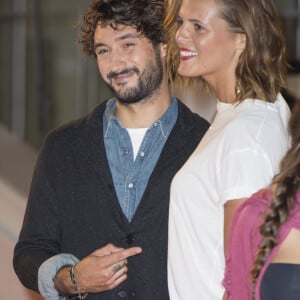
286, 184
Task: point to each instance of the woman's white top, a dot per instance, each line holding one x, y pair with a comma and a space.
239, 154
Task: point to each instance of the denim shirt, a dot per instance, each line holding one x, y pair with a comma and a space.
131, 176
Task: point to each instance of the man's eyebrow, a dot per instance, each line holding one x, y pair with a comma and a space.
97, 45
120, 38
128, 36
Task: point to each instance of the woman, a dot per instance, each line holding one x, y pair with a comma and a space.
276, 269
236, 47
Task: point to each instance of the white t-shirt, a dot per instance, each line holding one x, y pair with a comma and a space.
136, 137
239, 154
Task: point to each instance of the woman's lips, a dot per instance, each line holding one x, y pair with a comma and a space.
186, 54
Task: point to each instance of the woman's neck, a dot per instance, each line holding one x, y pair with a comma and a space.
224, 87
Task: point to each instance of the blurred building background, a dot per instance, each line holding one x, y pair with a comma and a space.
44, 82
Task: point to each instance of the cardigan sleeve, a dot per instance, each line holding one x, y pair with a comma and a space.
40, 234
47, 272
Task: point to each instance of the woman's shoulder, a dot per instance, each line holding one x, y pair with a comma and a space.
259, 199
257, 128
253, 109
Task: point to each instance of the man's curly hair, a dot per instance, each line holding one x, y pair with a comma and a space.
147, 16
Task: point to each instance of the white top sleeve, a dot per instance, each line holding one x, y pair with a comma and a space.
242, 172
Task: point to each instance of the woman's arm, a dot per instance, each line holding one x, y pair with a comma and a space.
230, 208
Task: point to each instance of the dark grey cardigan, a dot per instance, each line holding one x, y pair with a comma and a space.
73, 208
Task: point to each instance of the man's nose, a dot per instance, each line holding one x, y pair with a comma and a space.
117, 61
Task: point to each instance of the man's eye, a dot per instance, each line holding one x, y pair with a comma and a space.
101, 51
128, 45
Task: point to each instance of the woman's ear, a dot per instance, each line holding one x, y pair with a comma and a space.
241, 41
163, 49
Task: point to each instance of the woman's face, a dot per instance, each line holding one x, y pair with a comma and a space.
207, 46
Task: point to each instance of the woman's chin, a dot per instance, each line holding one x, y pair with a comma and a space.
188, 74
185, 71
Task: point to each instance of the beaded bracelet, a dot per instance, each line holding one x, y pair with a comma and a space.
73, 280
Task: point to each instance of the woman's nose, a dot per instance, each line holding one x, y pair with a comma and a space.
181, 34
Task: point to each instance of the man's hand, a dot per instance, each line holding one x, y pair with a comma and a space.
102, 270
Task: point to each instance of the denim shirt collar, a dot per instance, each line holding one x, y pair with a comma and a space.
166, 121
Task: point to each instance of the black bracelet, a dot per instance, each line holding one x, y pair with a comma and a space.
73, 280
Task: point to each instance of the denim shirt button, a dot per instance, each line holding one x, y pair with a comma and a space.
130, 185
142, 154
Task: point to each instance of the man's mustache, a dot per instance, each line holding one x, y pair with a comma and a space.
112, 75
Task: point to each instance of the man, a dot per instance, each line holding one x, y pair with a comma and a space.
97, 215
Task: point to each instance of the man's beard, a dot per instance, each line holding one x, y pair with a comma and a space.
149, 82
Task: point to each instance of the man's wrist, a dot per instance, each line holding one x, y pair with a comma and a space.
73, 278
65, 283
62, 281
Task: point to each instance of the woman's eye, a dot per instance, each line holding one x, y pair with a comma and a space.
179, 21
198, 27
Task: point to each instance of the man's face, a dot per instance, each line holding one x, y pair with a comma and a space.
128, 63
